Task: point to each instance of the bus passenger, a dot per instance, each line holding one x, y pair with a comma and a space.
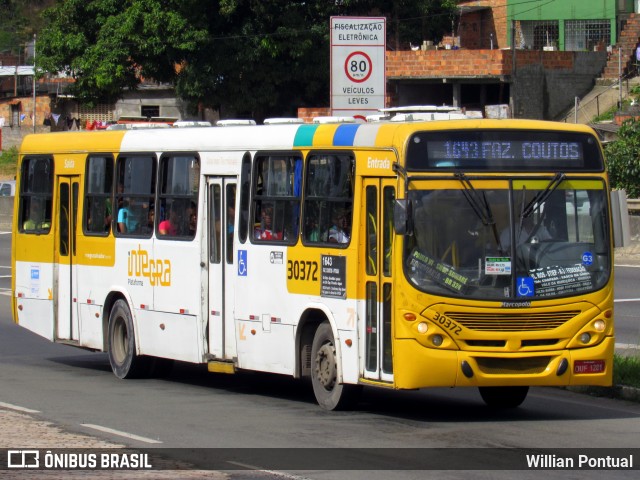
127, 219
265, 230
108, 215
151, 218
339, 231
169, 226
192, 215
36, 220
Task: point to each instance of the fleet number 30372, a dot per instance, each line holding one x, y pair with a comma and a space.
302, 270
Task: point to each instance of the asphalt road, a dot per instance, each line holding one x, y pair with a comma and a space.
194, 409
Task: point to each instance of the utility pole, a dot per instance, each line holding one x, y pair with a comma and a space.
619, 78
513, 69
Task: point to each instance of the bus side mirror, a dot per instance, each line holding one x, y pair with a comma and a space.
620, 219
402, 217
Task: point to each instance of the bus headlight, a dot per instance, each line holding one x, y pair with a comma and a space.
599, 325
585, 338
437, 340
423, 327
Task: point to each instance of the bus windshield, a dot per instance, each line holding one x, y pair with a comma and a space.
508, 239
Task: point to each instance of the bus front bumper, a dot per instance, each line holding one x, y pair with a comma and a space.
418, 367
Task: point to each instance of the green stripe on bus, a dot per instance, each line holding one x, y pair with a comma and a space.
304, 135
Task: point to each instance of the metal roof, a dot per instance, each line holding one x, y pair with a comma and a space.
12, 70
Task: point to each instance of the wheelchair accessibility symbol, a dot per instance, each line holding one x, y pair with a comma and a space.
242, 263
525, 286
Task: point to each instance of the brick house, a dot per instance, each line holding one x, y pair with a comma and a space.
534, 56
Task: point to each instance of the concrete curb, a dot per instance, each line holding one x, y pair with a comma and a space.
25, 430
618, 392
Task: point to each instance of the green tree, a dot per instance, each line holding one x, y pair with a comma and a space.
19, 20
253, 57
623, 159
109, 45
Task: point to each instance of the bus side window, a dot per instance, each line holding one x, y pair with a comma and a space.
328, 202
98, 202
276, 199
230, 197
245, 190
135, 193
178, 196
36, 194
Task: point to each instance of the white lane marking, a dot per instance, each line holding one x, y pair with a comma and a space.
120, 433
276, 473
18, 408
619, 300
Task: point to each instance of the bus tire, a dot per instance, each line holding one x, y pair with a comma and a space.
503, 397
329, 394
122, 344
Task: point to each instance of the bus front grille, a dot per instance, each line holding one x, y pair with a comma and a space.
512, 322
513, 366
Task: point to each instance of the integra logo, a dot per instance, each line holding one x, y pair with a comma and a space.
516, 304
158, 271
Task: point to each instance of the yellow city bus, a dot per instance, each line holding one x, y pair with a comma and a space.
461, 253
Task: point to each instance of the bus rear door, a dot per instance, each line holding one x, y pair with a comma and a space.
65, 223
221, 193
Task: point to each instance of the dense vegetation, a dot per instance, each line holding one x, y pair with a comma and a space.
259, 57
19, 20
623, 159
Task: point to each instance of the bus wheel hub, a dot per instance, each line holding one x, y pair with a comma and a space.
326, 366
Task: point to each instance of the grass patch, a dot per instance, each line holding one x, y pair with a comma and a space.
626, 380
626, 371
8, 162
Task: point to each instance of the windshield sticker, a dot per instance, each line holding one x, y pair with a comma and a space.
525, 286
587, 258
551, 281
497, 266
438, 271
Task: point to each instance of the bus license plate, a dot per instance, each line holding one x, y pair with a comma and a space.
588, 366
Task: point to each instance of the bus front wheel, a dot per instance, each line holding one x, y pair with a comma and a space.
330, 394
122, 343
503, 397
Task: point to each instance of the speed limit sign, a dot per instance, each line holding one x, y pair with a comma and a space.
358, 67
358, 46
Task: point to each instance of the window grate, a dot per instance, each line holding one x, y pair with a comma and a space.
537, 34
586, 34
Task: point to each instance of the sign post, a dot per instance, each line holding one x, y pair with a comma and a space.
358, 84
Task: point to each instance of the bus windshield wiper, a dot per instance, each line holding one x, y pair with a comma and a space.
542, 195
479, 204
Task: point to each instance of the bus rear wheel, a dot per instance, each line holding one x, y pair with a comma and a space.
503, 397
122, 344
329, 394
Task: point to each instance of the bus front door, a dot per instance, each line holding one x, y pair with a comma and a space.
379, 196
65, 258
221, 194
